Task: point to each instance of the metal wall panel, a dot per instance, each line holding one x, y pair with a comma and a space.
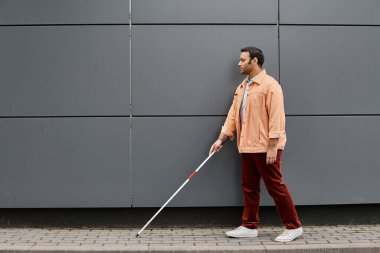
327, 160
68, 58
22, 12
353, 12
332, 160
167, 150
64, 70
204, 11
330, 70
64, 162
192, 70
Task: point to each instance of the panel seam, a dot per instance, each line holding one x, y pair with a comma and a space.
130, 105
278, 41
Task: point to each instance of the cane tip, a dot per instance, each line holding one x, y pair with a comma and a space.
137, 235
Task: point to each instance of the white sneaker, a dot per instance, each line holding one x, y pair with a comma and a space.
289, 235
242, 232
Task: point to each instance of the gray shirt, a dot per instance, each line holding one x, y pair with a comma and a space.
243, 102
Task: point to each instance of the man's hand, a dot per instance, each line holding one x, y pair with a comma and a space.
271, 155
218, 143
216, 146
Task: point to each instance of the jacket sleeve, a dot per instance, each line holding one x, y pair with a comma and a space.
276, 111
229, 126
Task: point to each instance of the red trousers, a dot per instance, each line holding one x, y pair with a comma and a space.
255, 168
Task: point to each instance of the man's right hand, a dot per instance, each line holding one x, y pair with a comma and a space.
216, 146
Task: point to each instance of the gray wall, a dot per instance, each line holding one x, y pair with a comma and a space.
93, 117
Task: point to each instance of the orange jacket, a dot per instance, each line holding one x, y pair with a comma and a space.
264, 116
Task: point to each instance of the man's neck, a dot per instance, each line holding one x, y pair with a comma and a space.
254, 73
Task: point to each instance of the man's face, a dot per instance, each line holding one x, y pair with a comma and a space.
245, 64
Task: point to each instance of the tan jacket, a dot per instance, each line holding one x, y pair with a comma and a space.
264, 116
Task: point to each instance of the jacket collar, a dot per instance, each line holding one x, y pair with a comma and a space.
258, 80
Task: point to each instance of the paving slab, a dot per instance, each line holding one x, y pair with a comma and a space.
339, 239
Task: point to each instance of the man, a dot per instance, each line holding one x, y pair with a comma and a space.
257, 115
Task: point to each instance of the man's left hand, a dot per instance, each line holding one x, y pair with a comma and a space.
271, 155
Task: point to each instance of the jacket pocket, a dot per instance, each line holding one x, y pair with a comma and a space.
257, 99
237, 101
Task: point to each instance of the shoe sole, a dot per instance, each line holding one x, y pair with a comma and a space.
288, 240
243, 236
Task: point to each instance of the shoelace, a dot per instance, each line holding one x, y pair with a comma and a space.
239, 229
286, 233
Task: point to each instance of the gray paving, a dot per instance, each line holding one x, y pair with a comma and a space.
358, 238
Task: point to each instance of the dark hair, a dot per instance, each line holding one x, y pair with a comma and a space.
254, 52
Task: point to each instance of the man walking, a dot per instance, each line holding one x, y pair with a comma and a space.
257, 115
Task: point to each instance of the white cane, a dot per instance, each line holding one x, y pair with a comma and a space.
180, 188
